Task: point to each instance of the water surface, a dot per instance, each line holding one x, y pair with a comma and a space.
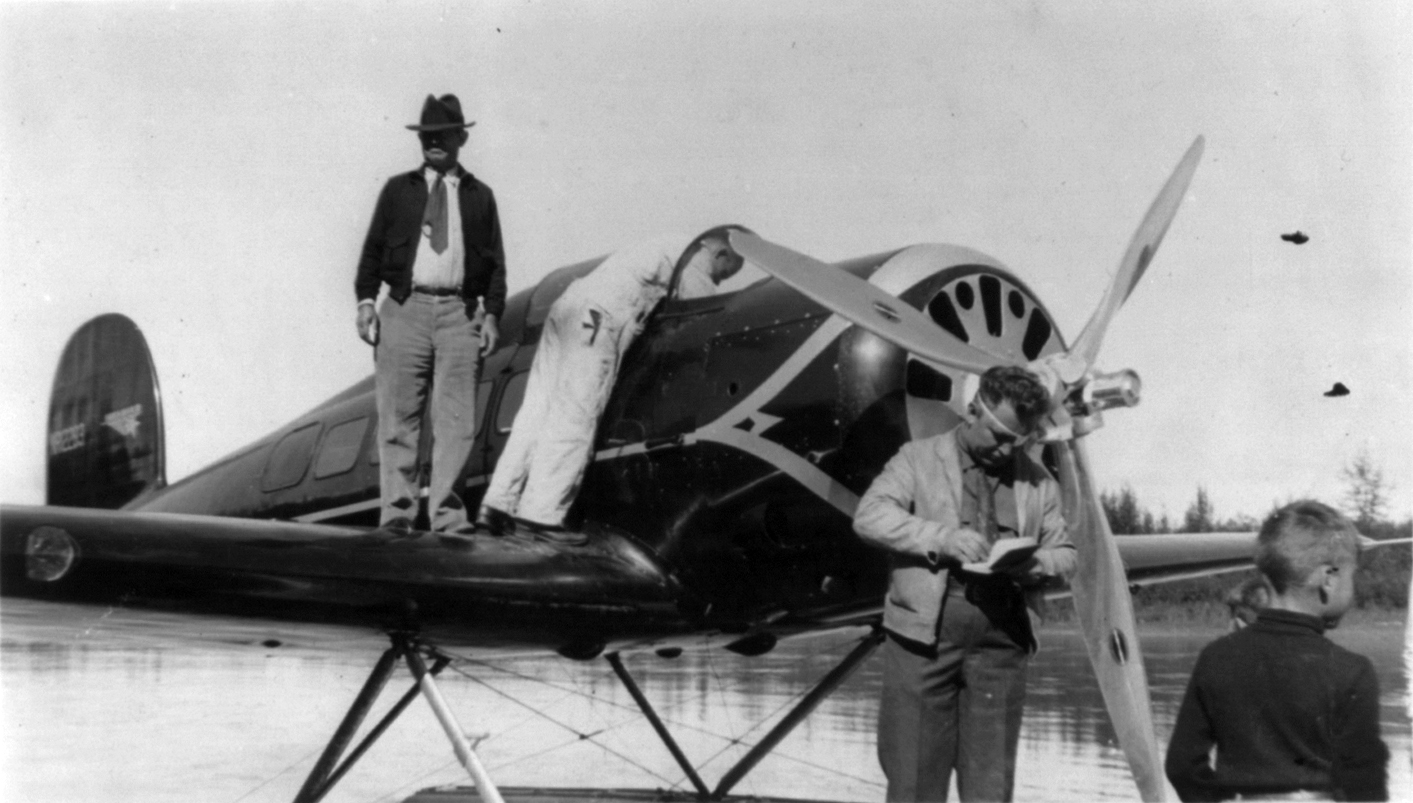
162, 709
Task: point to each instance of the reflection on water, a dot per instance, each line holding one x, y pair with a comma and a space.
144, 718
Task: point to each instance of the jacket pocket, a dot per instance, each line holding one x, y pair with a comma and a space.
396, 254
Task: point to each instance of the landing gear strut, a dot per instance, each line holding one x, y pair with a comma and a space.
325, 773
802, 709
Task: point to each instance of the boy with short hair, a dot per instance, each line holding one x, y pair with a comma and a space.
1293, 716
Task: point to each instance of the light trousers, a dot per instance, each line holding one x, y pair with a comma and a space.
540, 469
427, 361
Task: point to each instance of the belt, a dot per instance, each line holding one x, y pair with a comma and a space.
436, 291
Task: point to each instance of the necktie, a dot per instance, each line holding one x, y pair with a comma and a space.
434, 216
987, 513
982, 496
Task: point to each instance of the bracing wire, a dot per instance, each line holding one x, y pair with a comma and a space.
580, 736
720, 689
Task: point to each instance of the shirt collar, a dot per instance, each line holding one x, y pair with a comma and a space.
1276, 619
453, 176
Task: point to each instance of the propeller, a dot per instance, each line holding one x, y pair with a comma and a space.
1104, 607
1100, 588
881, 313
1139, 254
865, 304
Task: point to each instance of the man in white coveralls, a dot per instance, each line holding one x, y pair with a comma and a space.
589, 328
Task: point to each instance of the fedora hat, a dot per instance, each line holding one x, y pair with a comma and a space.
441, 114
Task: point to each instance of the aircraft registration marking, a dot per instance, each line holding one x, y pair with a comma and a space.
67, 439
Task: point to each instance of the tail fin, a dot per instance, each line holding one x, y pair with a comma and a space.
106, 442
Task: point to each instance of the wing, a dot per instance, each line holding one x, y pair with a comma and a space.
1166, 558
1169, 557
491, 593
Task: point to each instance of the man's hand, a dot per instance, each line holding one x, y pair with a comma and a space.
965, 545
368, 324
490, 333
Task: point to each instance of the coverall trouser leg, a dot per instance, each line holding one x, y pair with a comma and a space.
516, 457
590, 344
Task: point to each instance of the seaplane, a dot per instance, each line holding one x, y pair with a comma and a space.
741, 432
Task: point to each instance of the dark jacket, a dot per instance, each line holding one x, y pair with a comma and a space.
391, 244
1287, 709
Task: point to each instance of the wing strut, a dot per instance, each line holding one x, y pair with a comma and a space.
324, 775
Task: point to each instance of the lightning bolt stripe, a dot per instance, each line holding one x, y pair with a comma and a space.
903, 270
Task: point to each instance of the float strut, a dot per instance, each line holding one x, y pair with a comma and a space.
647, 709
459, 743
808, 703
314, 786
383, 724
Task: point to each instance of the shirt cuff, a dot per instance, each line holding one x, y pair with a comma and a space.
370, 302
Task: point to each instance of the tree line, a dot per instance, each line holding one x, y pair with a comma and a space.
1382, 582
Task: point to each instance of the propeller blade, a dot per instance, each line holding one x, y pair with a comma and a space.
1140, 252
864, 304
1105, 609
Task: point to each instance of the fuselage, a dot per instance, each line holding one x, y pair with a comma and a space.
740, 433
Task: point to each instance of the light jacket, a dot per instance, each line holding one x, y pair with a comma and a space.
915, 503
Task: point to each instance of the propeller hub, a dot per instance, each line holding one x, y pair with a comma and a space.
1107, 391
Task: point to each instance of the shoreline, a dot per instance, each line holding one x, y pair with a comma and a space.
1166, 618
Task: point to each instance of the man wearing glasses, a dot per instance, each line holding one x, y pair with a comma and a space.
958, 640
435, 242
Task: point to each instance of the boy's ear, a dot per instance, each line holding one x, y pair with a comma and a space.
1329, 575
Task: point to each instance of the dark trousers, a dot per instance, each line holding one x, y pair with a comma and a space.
957, 706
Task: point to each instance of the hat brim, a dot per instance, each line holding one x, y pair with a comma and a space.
441, 126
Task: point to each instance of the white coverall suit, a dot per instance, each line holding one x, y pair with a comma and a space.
588, 330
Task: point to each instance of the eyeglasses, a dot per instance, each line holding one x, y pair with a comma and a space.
1000, 431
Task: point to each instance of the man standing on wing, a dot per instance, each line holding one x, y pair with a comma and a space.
435, 242
958, 642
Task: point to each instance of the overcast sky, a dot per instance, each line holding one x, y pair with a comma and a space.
209, 171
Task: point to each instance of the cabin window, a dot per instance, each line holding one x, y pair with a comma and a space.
289, 460
510, 400
339, 450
